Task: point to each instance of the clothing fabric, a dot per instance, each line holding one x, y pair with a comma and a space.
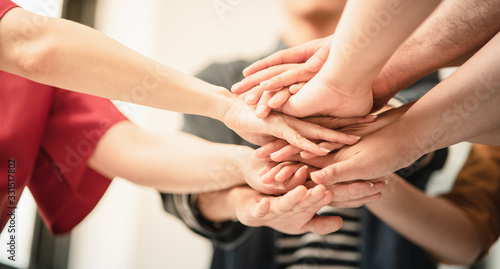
46, 137
238, 246
6, 5
477, 193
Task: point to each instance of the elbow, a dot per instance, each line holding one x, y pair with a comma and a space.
33, 58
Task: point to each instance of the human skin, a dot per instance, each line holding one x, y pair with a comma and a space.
180, 162
56, 52
462, 107
453, 33
434, 223
292, 213
367, 35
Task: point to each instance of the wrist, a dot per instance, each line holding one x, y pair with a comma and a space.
223, 103
216, 206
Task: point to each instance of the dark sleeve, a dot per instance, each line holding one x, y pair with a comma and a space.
184, 206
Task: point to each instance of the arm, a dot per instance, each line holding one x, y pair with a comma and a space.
57, 52
435, 224
367, 35
179, 162
292, 213
462, 107
454, 32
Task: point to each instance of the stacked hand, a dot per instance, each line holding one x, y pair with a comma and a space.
295, 82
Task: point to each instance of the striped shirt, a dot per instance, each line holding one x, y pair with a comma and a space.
338, 250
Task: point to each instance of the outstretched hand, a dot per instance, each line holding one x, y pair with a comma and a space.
292, 213
241, 118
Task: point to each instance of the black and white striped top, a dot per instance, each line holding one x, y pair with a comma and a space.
338, 250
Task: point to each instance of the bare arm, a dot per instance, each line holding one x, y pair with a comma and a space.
453, 33
179, 162
77, 58
462, 107
435, 224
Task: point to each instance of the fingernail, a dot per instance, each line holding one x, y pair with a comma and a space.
325, 150
355, 137
319, 175
260, 109
264, 83
274, 155
313, 64
250, 97
236, 85
303, 167
244, 70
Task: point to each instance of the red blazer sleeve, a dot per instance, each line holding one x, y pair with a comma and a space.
64, 187
6, 5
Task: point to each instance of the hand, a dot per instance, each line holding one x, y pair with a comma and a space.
250, 166
348, 194
241, 118
280, 150
292, 213
270, 81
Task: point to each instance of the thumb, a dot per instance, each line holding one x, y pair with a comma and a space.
337, 172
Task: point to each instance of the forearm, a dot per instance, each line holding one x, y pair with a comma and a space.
462, 107
217, 206
74, 57
454, 32
367, 35
176, 163
432, 223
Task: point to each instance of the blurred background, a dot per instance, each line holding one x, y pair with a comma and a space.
129, 228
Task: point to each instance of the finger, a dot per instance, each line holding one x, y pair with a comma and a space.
312, 197
299, 178
270, 147
339, 172
315, 132
336, 123
263, 109
295, 88
356, 190
285, 152
324, 224
326, 145
279, 98
319, 58
270, 176
262, 208
287, 78
253, 95
357, 202
288, 201
298, 54
266, 168
255, 79
287, 172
